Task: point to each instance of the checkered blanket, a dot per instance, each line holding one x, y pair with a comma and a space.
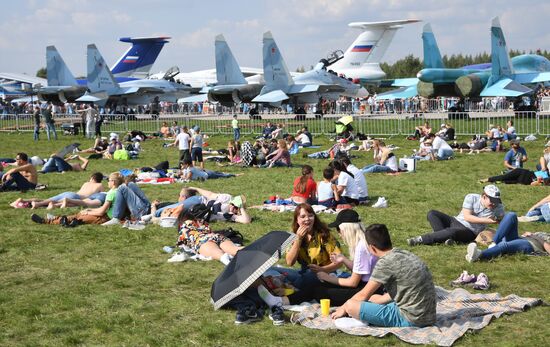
457, 312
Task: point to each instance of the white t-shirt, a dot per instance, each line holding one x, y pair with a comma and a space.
195, 173
438, 143
363, 262
360, 180
304, 139
324, 191
473, 203
183, 141
348, 182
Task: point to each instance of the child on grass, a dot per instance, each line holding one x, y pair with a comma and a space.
327, 194
410, 300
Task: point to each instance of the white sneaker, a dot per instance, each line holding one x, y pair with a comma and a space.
113, 221
472, 253
178, 258
492, 245
136, 226
526, 219
146, 218
381, 203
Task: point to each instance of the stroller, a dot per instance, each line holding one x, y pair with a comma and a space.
344, 129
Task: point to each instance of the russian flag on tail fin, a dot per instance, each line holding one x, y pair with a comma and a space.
361, 48
138, 60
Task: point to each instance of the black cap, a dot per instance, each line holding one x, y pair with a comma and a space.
345, 216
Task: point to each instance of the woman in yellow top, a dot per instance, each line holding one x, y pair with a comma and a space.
311, 249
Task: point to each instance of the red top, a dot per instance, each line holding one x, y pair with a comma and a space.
311, 187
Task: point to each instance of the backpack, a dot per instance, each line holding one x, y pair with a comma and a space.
200, 211
121, 154
235, 236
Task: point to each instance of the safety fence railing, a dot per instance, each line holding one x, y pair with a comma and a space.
464, 123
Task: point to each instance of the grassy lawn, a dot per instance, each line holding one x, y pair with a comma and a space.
111, 286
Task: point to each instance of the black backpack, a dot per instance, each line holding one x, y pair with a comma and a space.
235, 236
200, 211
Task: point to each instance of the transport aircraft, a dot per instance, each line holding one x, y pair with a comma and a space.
308, 87
103, 87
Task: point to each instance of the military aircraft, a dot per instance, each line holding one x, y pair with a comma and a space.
308, 87
103, 88
502, 77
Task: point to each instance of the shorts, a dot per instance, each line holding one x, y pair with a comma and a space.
98, 196
196, 154
386, 315
195, 242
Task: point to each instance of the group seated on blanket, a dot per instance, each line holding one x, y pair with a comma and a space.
507, 241
384, 159
22, 177
478, 211
97, 215
223, 207
114, 145
341, 288
280, 157
90, 194
58, 164
195, 233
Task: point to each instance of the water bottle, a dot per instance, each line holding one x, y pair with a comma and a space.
167, 249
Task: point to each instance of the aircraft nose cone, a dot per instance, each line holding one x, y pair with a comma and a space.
419, 75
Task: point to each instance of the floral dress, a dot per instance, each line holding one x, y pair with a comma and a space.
194, 234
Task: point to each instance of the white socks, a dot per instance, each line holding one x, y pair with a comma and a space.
270, 299
226, 259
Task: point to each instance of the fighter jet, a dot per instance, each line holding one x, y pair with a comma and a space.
102, 86
308, 87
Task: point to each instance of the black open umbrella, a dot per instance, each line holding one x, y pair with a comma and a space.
247, 265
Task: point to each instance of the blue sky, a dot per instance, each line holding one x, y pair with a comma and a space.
305, 30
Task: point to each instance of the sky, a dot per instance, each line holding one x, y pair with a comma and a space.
305, 30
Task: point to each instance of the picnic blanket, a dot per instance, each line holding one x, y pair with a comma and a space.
457, 312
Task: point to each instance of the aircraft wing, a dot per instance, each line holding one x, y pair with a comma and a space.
505, 87
405, 82
271, 97
23, 78
194, 98
57, 89
93, 97
306, 88
534, 77
401, 93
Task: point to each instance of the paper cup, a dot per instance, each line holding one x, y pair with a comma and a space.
325, 307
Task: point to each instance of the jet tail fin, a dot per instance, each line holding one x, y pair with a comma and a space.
58, 72
100, 77
227, 68
138, 60
371, 45
432, 56
276, 73
500, 59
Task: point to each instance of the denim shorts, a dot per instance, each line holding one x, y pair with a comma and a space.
386, 315
196, 154
68, 195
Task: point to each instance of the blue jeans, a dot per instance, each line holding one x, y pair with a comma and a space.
68, 195
56, 164
17, 182
36, 133
507, 239
216, 174
376, 168
51, 127
444, 154
130, 197
187, 203
98, 196
542, 211
236, 134
386, 315
300, 279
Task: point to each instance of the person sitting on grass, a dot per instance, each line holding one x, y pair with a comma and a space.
347, 189
515, 157
196, 234
23, 177
440, 148
88, 189
507, 241
281, 157
384, 159
130, 202
478, 210
98, 215
410, 300
327, 191
58, 164
304, 188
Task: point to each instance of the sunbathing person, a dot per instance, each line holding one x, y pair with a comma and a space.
88, 190
225, 207
196, 234
88, 216
507, 241
100, 146
23, 177
518, 176
189, 172
58, 164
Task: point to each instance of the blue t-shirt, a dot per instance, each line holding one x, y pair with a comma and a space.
514, 158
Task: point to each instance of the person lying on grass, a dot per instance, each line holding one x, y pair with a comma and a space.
89, 189
98, 215
507, 241
58, 164
410, 300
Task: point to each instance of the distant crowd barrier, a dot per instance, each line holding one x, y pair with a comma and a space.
465, 123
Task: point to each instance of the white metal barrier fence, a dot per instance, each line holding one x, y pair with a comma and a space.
464, 123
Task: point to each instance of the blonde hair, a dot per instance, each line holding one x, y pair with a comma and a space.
352, 234
117, 178
282, 144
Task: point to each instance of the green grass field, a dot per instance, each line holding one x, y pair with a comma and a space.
94, 285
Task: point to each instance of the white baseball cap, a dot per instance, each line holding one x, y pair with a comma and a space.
493, 193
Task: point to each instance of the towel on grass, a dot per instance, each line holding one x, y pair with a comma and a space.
457, 312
